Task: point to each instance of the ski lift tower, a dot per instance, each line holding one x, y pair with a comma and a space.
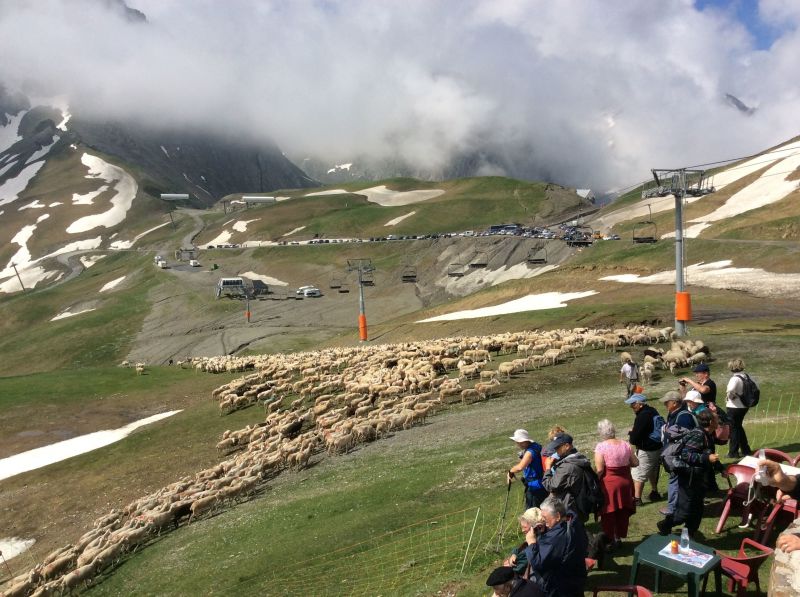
676, 182
364, 268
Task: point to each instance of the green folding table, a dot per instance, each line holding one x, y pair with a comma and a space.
646, 554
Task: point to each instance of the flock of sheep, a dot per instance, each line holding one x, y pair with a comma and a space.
332, 399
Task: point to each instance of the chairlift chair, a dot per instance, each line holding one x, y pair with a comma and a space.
537, 254
480, 260
409, 274
335, 282
367, 279
645, 232
582, 236
455, 270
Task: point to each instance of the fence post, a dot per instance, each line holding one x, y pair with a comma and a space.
472, 532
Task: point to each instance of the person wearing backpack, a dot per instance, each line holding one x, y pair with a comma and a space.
739, 398
678, 415
692, 462
645, 436
567, 477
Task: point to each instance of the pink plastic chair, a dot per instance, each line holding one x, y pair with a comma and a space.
787, 507
778, 456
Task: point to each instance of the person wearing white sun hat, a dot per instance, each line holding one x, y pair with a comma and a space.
530, 465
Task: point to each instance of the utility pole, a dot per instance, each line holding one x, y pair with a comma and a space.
14, 265
676, 182
361, 267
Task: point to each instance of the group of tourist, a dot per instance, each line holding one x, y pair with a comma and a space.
551, 560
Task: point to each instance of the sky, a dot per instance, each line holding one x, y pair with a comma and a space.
586, 93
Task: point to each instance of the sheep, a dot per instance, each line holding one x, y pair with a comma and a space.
202, 505
140, 368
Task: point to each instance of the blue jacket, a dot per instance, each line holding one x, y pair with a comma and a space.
558, 558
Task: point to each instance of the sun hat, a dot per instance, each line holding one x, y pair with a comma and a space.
671, 396
500, 576
701, 368
520, 435
558, 441
532, 516
693, 396
636, 398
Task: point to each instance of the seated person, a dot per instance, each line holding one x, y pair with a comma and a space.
788, 487
557, 555
517, 560
506, 584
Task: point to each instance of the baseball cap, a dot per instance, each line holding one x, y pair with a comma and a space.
701, 368
671, 396
636, 398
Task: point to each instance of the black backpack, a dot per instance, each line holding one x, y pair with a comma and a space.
675, 438
590, 498
751, 393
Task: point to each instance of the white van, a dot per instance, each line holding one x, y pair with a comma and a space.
302, 289
311, 292
194, 263
163, 264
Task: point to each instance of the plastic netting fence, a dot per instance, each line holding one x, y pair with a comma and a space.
418, 558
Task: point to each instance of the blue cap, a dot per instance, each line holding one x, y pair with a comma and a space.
558, 441
701, 368
636, 398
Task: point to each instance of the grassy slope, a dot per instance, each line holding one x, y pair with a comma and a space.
466, 203
455, 461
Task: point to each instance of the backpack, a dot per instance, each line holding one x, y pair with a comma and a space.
750, 390
589, 499
723, 431
658, 429
675, 438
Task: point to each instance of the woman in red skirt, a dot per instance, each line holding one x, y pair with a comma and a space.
613, 459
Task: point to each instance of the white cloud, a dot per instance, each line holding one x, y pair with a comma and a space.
539, 83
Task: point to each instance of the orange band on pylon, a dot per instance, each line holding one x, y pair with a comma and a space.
362, 327
683, 306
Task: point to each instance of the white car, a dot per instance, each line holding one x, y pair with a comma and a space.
302, 289
311, 292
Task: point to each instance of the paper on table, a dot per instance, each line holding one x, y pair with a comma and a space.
690, 556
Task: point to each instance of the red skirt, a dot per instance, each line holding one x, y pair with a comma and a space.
617, 489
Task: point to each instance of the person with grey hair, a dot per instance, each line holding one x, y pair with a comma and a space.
557, 555
737, 410
613, 459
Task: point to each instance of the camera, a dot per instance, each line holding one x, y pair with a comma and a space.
539, 528
682, 383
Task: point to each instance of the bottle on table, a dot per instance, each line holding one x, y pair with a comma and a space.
684, 540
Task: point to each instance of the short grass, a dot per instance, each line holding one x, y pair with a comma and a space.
454, 462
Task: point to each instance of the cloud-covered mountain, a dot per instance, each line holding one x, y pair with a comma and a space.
576, 91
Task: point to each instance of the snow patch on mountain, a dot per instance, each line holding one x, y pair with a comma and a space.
241, 225
65, 314
10, 189
531, 302
124, 185
721, 274
9, 134
399, 219
35, 204
109, 285
127, 244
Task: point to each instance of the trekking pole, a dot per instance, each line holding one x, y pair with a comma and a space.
501, 530
10, 574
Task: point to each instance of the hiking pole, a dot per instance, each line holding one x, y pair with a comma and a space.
501, 530
10, 575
